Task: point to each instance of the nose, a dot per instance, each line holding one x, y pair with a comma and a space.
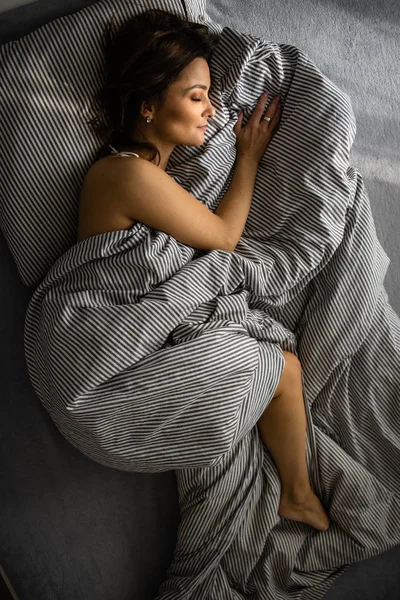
210, 112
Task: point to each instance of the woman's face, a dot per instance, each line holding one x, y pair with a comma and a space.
184, 110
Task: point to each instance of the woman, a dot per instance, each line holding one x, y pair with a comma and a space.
157, 97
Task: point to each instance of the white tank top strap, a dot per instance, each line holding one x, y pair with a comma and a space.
116, 153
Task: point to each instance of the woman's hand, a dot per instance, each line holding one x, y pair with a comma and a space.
253, 139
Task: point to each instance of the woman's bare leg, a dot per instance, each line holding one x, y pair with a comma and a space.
283, 430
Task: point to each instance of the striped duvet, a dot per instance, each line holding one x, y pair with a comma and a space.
150, 355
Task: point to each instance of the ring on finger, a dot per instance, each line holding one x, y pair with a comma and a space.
267, 119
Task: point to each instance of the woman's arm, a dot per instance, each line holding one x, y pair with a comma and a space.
235, 206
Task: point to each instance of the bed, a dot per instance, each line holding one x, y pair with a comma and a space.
72, 527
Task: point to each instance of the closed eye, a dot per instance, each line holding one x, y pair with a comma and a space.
197, 99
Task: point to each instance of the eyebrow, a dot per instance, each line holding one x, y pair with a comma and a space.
204, 87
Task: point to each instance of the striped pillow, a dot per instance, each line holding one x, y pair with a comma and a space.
49, 79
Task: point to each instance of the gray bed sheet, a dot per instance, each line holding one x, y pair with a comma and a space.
70, 528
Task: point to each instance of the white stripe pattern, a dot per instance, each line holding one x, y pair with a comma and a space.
150, 355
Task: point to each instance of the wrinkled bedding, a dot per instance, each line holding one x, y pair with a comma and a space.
150, 355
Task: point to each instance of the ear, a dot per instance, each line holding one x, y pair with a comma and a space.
147, 109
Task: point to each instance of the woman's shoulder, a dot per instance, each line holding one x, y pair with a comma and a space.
106, 175
110, 165
110, 162
101, 205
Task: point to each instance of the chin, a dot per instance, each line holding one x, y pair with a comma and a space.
195, 141
202, 140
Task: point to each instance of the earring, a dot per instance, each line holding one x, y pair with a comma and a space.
148, 119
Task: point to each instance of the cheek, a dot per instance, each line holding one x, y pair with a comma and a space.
181, 117
186, 113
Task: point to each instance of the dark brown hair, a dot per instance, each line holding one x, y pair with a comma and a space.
143, 58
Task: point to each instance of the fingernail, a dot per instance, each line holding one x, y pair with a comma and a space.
265, 94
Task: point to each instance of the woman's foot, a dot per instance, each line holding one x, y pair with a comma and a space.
305, 507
